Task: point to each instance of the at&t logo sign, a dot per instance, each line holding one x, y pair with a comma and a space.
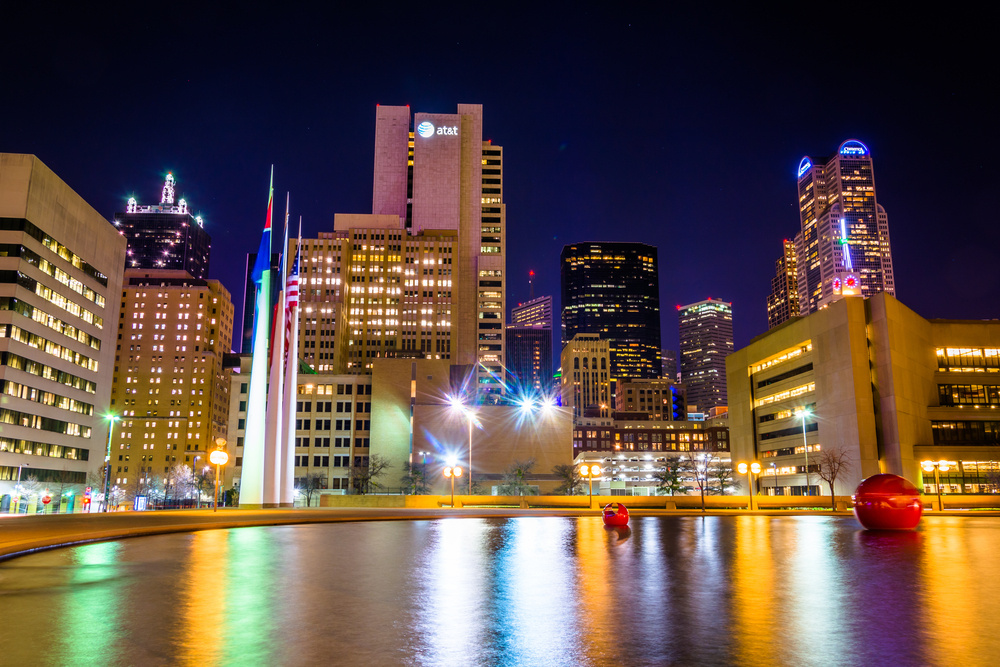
426, 130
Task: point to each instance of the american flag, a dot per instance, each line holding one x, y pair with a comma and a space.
291, 298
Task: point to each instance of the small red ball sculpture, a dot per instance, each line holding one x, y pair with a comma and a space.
887, 502
615, 514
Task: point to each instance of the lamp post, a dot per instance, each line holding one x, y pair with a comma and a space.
590, 472
107, 462
452, 472
194, 479
942, 466
803, 413
218, 458
749, 470
701, 474
469, 415
774, 473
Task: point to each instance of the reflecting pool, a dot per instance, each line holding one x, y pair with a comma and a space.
748, 590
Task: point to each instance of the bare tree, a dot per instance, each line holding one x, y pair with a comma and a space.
721, 473
830, 463
311, 484
365, 478
570, 481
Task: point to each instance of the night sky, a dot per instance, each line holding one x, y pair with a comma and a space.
678, 128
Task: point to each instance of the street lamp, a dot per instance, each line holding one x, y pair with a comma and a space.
802, 413
943, 466
194, 478
774, 473
749, 471
452, 472
470, 415
218, 458
590, 472
701, 474
107, 462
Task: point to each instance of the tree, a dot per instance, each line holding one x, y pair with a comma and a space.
670, 480
365, 478
721, 473
177, 483
311, 484
515, 478
204, 481
570, 481
830, 463
413, 480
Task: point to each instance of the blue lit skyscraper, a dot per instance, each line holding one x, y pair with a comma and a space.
843, 246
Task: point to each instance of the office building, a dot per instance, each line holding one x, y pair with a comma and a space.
370, 290
586, 379
879, 383
250, 297
658, 399
332, 426
669, 361
60, 279
440, 175
783, 301
170, 387
534, 313
843, 246
706, 337
165, 235
612, 289
529, 360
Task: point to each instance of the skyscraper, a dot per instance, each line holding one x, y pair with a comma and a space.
783, 301
843, 246
613, 289
163, 426
165, 235
534, 313
529, 359
706, 333
586, 382
441, 175
60, 281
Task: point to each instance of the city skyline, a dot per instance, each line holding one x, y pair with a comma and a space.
581, 165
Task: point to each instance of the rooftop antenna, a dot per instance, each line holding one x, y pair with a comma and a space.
531, 285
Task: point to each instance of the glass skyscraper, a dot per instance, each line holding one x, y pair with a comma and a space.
706, 330
613, 290
843, 246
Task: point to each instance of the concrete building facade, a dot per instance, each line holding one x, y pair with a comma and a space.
60, 281
586, 376
170, 386
441, 175
882, 384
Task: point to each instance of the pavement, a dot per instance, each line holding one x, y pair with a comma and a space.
22, 534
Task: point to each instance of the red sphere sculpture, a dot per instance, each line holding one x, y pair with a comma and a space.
615, 514
887, 502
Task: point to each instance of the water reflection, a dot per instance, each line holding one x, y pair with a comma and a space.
748, 590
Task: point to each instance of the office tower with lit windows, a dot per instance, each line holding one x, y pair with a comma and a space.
612, 289
170, 387
369, 290
706, 338
669, 358
586, 379
783, 301
534, 313
165, 235
843, 246
439, 174
60, 279
529, 359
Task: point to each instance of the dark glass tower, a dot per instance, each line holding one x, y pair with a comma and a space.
706, 330
613, 290
165, 236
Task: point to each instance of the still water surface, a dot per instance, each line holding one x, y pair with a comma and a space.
525, 591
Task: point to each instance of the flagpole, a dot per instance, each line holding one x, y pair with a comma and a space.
252, 471
287, 495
